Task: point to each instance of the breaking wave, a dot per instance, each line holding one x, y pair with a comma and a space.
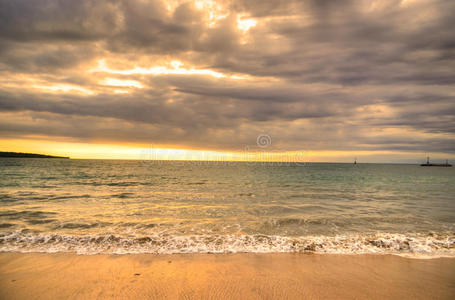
416, 245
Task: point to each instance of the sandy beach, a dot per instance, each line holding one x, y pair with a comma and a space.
229, 276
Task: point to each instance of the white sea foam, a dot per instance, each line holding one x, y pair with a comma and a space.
415, 245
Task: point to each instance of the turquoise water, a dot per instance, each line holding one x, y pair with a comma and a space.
111, 206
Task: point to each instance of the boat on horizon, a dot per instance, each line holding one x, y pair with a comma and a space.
428, 164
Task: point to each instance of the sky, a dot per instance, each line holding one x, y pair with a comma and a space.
290, 80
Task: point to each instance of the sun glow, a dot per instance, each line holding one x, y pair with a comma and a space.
122, 83
244, 24
213, 10
139, 152
156, 153
66, 88
174, 67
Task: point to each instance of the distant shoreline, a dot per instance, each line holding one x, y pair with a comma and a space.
29, 155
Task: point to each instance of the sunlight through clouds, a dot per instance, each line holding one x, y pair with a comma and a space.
244, 24
175, 67
123, 83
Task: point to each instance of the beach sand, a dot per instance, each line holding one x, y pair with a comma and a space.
224, 276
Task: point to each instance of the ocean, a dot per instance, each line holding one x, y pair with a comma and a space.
165, 207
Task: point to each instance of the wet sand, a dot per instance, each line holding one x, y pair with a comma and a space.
224, 276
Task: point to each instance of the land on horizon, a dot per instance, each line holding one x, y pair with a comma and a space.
29, 155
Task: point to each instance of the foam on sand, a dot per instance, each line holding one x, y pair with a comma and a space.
414, 245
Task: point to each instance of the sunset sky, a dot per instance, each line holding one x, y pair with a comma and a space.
321, 80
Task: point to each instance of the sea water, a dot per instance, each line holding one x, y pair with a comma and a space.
114, 206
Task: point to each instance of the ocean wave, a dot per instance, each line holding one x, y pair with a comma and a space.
415, 245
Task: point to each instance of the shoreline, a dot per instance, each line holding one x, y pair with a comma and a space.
407, 255
224, 276
415, 245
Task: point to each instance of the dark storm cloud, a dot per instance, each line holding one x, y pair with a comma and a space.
329, 75
63, 20
210, 102
351, 45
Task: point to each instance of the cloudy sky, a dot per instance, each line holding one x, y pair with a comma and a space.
330, 79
